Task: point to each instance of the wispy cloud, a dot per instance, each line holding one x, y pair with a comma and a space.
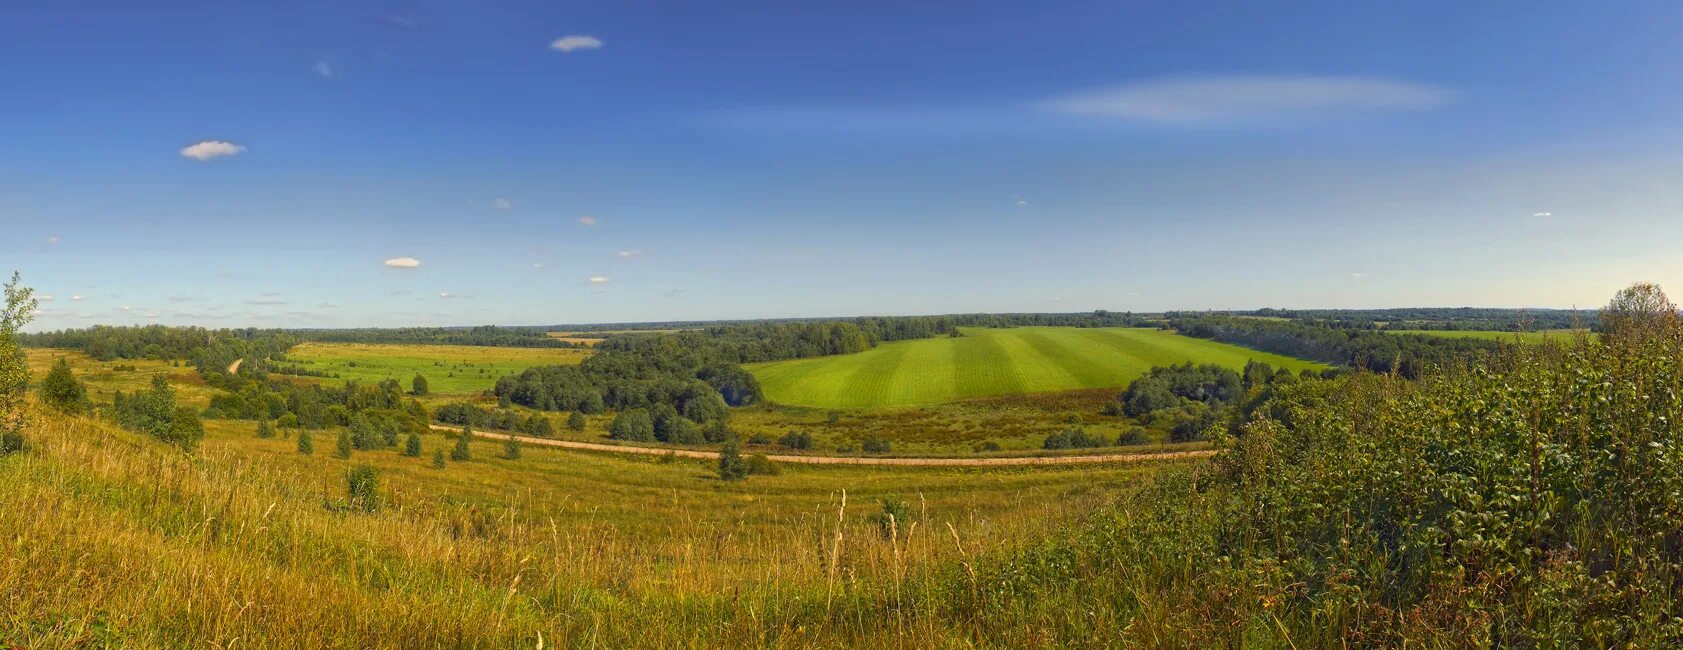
1230, 98
572, 42
537, 265
501, 203
265, 302
598, 279
324, 69
52, 240
445, 294
1542, 215
587, 220
628, 254
403, 263
207, 149
44, 298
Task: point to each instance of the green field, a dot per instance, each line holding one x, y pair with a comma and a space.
448, 368
986, 362
1562, 336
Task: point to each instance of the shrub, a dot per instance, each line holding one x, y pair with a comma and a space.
1072, 438
632, 425
796, 440
987, 445
264, 429
418, 385
759, 439
575, 421
894, 518
412, 446
345, 445
759, 465
1132, 436
438, 458
11, 442
362, 488
462, 451
731, 465
60, 389
511, 448
306, 445
875, 445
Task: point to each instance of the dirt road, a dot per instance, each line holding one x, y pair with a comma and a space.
848, 460
234, 368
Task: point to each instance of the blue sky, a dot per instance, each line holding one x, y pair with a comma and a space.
226, 164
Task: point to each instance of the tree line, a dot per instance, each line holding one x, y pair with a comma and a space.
1407, 354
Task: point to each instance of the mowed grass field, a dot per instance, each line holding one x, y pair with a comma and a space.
988, 362
1561, 336
448, 368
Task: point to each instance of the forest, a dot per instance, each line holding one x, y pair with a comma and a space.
1409, 355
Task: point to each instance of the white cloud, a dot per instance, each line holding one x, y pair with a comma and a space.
151, 314
322, 68
1357, 275
1224, 98
629, 254
598, 279
53, 240
587, 220
403, 263
1542, 215
537, 265
444, 294
44, 298
573, 42
501, 203
208, 149
76, 298
127, 308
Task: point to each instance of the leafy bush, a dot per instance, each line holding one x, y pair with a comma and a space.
894, 518
731, 465
759, 465
1072, 438
362, 488
796, 440
875, 445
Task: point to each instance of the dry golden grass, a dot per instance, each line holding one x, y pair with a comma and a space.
109, 538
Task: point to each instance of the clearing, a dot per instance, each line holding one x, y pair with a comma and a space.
449, 369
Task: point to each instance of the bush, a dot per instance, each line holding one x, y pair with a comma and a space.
875, 445
1072, 438
759, 465
11, 442
463, 451
575, 421
894, 518
412, 446
306, 445
731, 465
632, 425
362, 488
796, 440
345, 445
60, 389
264, 429
1132, 436
511, 448
987, 445
438, 458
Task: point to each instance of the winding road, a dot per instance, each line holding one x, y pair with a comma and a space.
848, 460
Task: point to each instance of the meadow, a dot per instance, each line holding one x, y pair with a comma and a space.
449, 369
119, 540
992, 362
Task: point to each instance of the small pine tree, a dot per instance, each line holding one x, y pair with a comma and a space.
412, 447
264, 429
731, 465
306, 443
438, 458
418, 385
60, 390
511, 448
345, 445
462, 452
575, 421
362, 488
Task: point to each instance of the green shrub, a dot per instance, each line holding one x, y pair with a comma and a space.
463, 451
306, 443
875, 445
633, 425
1072, 438
575, 421
60, 389
759, 465
796, 440
894, 518
438, 458
264, 429
362, 488
345, 445
731, 465
511, 448
412, 446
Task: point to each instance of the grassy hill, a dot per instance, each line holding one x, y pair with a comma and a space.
986, 362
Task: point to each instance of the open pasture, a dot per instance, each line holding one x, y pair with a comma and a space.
448, 368
988, 362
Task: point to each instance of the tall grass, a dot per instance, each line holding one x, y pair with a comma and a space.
109, 538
